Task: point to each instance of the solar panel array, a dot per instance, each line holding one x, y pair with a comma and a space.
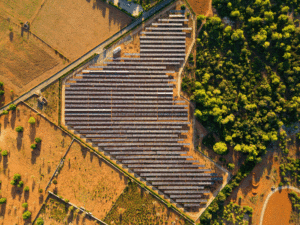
127, 109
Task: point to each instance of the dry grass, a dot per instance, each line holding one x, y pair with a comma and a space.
74, 27
35, 166
88, 181
201, 7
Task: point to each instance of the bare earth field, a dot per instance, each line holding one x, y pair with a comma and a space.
201, 7
35, 166
74, 27
279, 209
136, 206
24, 61
88, 181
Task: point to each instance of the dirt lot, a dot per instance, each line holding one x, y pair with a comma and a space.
24, 61
74, 27
88, 181
201, 7
52, 106
56, 212
279, 209
136, 206
35, 166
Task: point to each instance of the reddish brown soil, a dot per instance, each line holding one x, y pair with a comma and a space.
201, 7
74, 27
35, 166
279, 209
88, 181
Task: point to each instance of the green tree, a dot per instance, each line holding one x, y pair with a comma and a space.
31, 120
19, 129
12, 107
26, 215
220, 148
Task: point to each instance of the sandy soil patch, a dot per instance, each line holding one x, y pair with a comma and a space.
201, 7
136, 206
279, 209
88, 181
74, 27
51, 93
35, 166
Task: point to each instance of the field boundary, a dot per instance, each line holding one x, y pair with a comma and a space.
61, 163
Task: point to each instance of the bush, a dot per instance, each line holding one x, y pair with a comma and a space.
40, 221
2, 200
67, 200
12, 107
40, 190
54, 181
21, 183
5, 112
25, 205
17, 177
19, 129
26, 189
220, 148
33, 146
2, 92
31, 120
183, 7
38, 140
231, 166
4, 153
26, 215
1, 84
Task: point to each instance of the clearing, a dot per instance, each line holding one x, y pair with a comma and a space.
201, 7
35, 166
74, 27
87, 181
137, 206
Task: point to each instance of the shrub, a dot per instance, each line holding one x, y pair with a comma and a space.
38, 140
1, 84
21, 183
183, 7
40, 190
25, 205
26, 189
4, 153
40, 221
17, 177
33, 146
31, 120
220, 148
2, 92
26, 215
2, 200
19, 129
12, 107
5, 112
67, 200
231, 166
54, 181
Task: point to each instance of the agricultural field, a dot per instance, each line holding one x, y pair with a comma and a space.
75, 31
27, 163
52, 107
24, 61
88, 181
137, 206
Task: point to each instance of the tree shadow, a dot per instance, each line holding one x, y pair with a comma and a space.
26, 195
41, 199
19, 140
13, 119
11, 36
33, 185
5, 161
3, 209
35, 153
5, 121
32, 132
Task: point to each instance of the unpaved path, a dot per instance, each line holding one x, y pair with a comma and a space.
268, 197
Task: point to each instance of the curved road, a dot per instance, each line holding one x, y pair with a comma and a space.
268, 197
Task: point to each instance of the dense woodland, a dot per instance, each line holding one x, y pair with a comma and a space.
247, 81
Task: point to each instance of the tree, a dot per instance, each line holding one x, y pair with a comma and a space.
19, 129
231, 166
38, 140
26, 189
39, 221
12, 107
4, 153
33, 146
25, 205
26, 215
2, 200
31, 120
220, 148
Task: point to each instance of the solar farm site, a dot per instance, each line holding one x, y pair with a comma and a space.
127, 107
